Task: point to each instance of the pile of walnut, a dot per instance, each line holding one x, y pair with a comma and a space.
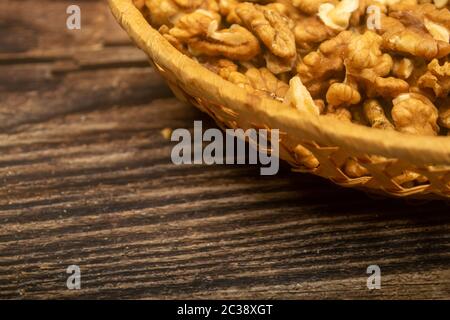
380, 63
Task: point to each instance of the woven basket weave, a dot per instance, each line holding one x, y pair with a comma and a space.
332, 142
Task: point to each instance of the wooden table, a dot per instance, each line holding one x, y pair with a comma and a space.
86, 179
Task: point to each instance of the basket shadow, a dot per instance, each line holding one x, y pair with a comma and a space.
340, 199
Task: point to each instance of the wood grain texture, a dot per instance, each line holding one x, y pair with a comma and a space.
86, 179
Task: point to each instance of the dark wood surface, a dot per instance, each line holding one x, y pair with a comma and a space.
86, 179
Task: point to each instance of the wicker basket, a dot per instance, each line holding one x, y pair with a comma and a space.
333, 143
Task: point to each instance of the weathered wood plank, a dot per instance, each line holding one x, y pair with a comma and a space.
65, 70
28, 26
141, 227
48, 94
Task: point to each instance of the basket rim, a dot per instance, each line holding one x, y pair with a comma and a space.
418, 150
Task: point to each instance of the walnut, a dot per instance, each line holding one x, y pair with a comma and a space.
258, 81
299, 97
163, 12
403, 68
229, 71
415, 114
165, 31
311, 31
271, 28
385, 87
339, 113
364, 52
223, 67
353, 169
167, 12
413, 41
376, 116
436, 14
444, 113
306, 157
195, 24
241, 80
278, 65
418, 68
263, 80
199, 31
342, 94
438, 32
319, 69
437, 78
227, 9
409, 179
366, 63
425, 16
337, 16
235, 43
